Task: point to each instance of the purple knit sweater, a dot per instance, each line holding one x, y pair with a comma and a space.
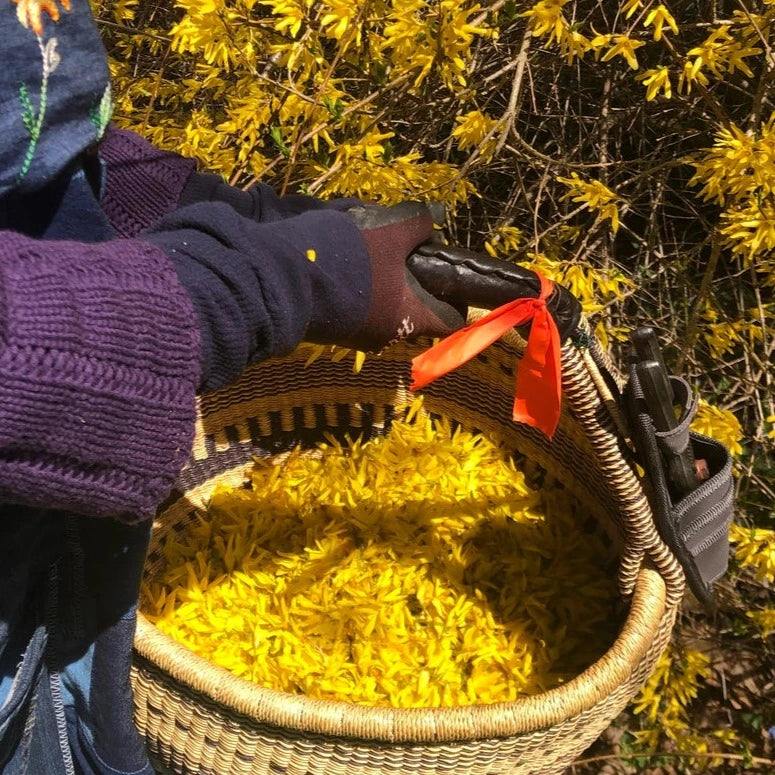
98, 372
99, 358
142, 183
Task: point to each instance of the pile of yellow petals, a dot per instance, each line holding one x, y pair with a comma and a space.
418, 569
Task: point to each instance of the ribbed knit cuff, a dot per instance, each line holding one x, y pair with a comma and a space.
98, 372
142, 183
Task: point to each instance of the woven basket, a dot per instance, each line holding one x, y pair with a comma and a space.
199, 718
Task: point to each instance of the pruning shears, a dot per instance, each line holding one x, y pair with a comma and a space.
682, 472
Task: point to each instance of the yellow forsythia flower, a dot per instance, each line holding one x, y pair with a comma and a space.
719, 424
290, 15
691, 74
739, 164
340, 17
671, 687
655, 80
598, 43
546, 19
472, 128
505, 241
595, 195
630, 7
755, 548
764, 619
660, 16
624, 46
750, 229
722, 53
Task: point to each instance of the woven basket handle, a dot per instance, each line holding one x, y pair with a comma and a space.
464, 278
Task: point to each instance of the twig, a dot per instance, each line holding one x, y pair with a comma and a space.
321, 179
132, 30
480, 18
768, 342
605, 121
509, 117
702, 295
156, 87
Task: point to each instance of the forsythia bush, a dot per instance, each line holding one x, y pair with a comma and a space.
626, 148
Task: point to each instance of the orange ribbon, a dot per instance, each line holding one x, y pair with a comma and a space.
537, 397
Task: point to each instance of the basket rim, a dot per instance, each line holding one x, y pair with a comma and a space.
339, 719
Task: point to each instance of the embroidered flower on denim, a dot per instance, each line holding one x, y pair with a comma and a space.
29, 13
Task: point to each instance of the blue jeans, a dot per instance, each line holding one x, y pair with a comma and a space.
67, 621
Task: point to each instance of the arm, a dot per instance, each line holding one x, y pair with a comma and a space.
143, 183
327, 277
100, 355
254, 287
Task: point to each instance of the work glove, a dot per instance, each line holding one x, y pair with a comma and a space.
437, 282
463, 278
400, 307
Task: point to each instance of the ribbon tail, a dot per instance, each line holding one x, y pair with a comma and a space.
538, 396
468, 342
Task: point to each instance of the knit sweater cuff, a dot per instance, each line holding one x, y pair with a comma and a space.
98, 371
142, 183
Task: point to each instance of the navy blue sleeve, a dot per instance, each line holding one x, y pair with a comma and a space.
260, 202
259, 289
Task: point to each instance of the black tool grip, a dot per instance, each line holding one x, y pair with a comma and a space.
647, 348
464, 278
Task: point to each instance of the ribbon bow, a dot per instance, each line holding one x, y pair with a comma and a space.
538, 392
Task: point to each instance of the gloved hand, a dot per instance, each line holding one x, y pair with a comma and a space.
329, 277
400, 307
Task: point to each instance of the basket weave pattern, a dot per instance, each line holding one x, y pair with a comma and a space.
198, 718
